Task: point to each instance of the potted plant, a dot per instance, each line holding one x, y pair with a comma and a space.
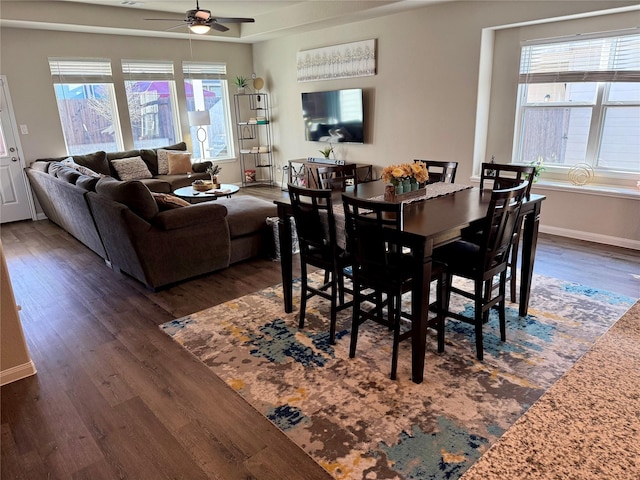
326, 151
241, 83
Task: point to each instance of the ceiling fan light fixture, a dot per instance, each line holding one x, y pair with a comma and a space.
199, 28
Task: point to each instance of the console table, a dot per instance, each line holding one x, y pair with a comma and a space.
304, 173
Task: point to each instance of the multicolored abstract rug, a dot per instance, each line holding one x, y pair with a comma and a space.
356, 422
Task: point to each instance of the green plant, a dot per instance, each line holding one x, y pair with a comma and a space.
214, 170
327, 151
240, 81
539, 168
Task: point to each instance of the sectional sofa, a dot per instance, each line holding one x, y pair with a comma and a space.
139, 228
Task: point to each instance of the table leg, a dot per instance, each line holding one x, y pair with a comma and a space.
419, 313
529, 243
286, 258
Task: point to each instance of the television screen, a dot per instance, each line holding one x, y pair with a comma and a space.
335, 116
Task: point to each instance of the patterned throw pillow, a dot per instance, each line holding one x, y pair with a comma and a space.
168, 202
163, 160
132, 168
179, 163
69, 162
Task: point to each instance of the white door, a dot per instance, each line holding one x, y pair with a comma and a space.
16, 202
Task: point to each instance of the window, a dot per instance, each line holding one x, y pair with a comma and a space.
206, 88
86, 104
579, 102
151, 97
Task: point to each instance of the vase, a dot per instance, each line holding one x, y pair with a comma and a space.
214, 181
399, 188
406, 185
414, 186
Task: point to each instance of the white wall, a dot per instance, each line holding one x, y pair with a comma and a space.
422, 101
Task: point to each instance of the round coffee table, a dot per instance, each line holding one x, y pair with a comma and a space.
193, 196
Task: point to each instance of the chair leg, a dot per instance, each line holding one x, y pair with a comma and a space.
442, 294
303, 293
479, 318
355, 320
334, 308
502, 306
395, 312
513, 267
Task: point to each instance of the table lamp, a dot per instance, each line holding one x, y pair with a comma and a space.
199, 119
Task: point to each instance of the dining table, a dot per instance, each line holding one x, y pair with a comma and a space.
437, 220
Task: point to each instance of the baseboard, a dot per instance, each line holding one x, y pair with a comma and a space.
17, 373
592, 237
41, 216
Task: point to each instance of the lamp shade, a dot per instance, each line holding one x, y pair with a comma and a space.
199, 118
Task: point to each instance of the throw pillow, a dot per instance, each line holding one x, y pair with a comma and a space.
168, 202
179, 163
69, 162
163, 160
133, 194
132, 168
95, 161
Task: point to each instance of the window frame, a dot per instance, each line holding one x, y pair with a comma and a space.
599, 107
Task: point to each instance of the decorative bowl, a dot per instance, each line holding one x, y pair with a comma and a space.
202, 187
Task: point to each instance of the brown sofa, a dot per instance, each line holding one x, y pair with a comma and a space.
134, 232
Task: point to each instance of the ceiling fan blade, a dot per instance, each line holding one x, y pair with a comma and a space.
175, 26
164, 19
217, 26
234, 20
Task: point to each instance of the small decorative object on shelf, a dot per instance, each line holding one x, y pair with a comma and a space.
404, 176
581, 174
326, 152
249, 176
241, 83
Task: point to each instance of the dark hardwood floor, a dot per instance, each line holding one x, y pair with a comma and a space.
116, 398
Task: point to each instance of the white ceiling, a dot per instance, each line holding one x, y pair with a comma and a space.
273, 18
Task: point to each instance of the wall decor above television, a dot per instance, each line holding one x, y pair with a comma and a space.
335, 116
355, 59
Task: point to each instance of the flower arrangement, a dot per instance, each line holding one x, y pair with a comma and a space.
213, 170
415, 172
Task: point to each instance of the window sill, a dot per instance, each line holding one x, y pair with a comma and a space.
589, 189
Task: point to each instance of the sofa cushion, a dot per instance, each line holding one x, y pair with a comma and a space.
179, 163
133, 194
95, 161
246, 214
41, 165
133, 168
87, 182
168, 202
69, 162
68, 174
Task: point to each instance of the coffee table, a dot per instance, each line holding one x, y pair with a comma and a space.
194, 196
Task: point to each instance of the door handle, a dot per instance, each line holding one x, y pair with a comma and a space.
14, 159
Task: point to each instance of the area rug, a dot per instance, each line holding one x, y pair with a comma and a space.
356, 422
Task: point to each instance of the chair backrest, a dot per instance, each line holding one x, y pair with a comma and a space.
315, 223
506, 176
440, 171
500, 224
337, 177
375, 239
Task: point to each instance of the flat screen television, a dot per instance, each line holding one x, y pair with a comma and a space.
335, 116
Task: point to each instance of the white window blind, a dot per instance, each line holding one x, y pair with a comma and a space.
592, 59
147, 70
80, 70
202, 70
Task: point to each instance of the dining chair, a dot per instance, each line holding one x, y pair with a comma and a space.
337, 177
503, 176
482, 261
440, 171
315, 226
383, 262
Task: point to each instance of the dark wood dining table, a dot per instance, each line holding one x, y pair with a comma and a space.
438, 221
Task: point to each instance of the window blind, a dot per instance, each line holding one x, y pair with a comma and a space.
593, 59
202, 70
147, 70
80, 70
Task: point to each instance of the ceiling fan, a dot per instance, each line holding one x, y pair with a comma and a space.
200, 21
